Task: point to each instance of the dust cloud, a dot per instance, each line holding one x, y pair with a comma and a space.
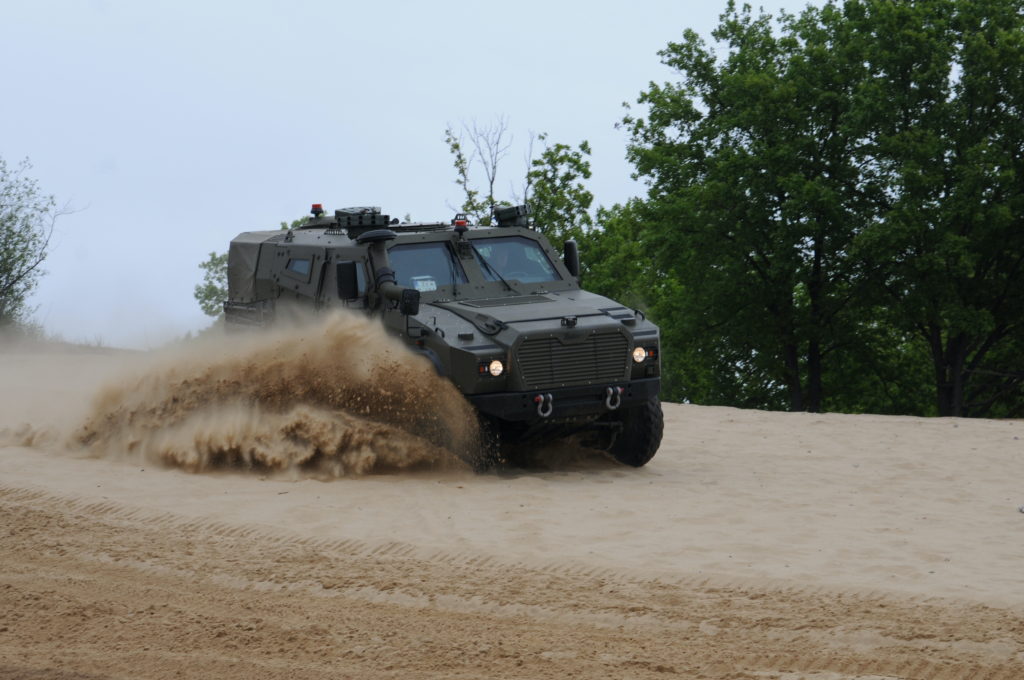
334, 398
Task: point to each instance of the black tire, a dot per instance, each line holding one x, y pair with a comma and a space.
640, 437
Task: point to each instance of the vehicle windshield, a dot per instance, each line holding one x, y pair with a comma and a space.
514, 258
426, 266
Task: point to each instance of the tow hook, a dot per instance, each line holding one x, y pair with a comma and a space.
613, 397
545, 404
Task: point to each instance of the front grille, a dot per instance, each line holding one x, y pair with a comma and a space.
546, 362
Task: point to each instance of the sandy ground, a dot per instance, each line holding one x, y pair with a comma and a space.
754, 545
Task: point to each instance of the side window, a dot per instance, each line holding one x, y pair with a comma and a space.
300, 267
361, 277
426, 266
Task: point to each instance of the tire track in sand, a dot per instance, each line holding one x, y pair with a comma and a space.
553, 619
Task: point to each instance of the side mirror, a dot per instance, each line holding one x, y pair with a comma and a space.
348, 281
409, 305
571, 257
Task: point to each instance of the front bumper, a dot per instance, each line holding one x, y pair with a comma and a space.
565, 402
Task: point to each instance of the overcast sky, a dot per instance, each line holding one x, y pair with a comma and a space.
170, 127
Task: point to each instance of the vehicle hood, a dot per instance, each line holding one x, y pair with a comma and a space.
490, 315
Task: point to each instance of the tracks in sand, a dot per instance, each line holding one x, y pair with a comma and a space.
101, 589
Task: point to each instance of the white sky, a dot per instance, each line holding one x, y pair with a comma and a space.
172, 126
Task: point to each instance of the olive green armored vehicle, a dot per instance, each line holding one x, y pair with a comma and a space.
494, 308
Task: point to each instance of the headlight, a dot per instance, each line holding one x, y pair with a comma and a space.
639, 354
495, 368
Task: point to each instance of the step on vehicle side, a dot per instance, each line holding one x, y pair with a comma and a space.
495, 309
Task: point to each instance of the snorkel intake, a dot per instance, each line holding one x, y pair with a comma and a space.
384, 282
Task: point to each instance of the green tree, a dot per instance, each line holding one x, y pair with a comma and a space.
836, 199
755, 203
556, 193
616, 264
27, 219
213, 291
948, 146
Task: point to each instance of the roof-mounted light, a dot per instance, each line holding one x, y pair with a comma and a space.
317, 210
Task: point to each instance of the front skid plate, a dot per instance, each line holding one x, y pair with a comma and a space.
587, 400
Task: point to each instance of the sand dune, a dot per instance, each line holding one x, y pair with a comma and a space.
754, 545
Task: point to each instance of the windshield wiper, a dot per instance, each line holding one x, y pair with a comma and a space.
491, 269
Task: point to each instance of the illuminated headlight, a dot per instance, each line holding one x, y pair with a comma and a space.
495, 368
639, 354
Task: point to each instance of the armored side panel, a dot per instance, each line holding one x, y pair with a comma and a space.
243, 255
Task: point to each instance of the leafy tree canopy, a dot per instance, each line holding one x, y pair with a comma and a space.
836, 202
213, 291
27, 218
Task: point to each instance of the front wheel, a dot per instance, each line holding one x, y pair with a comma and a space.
638, 440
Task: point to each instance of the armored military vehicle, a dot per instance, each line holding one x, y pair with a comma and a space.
494, 308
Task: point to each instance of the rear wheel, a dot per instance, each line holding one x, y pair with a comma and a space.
638, 440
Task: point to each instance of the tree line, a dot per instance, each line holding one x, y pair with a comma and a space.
833, 209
